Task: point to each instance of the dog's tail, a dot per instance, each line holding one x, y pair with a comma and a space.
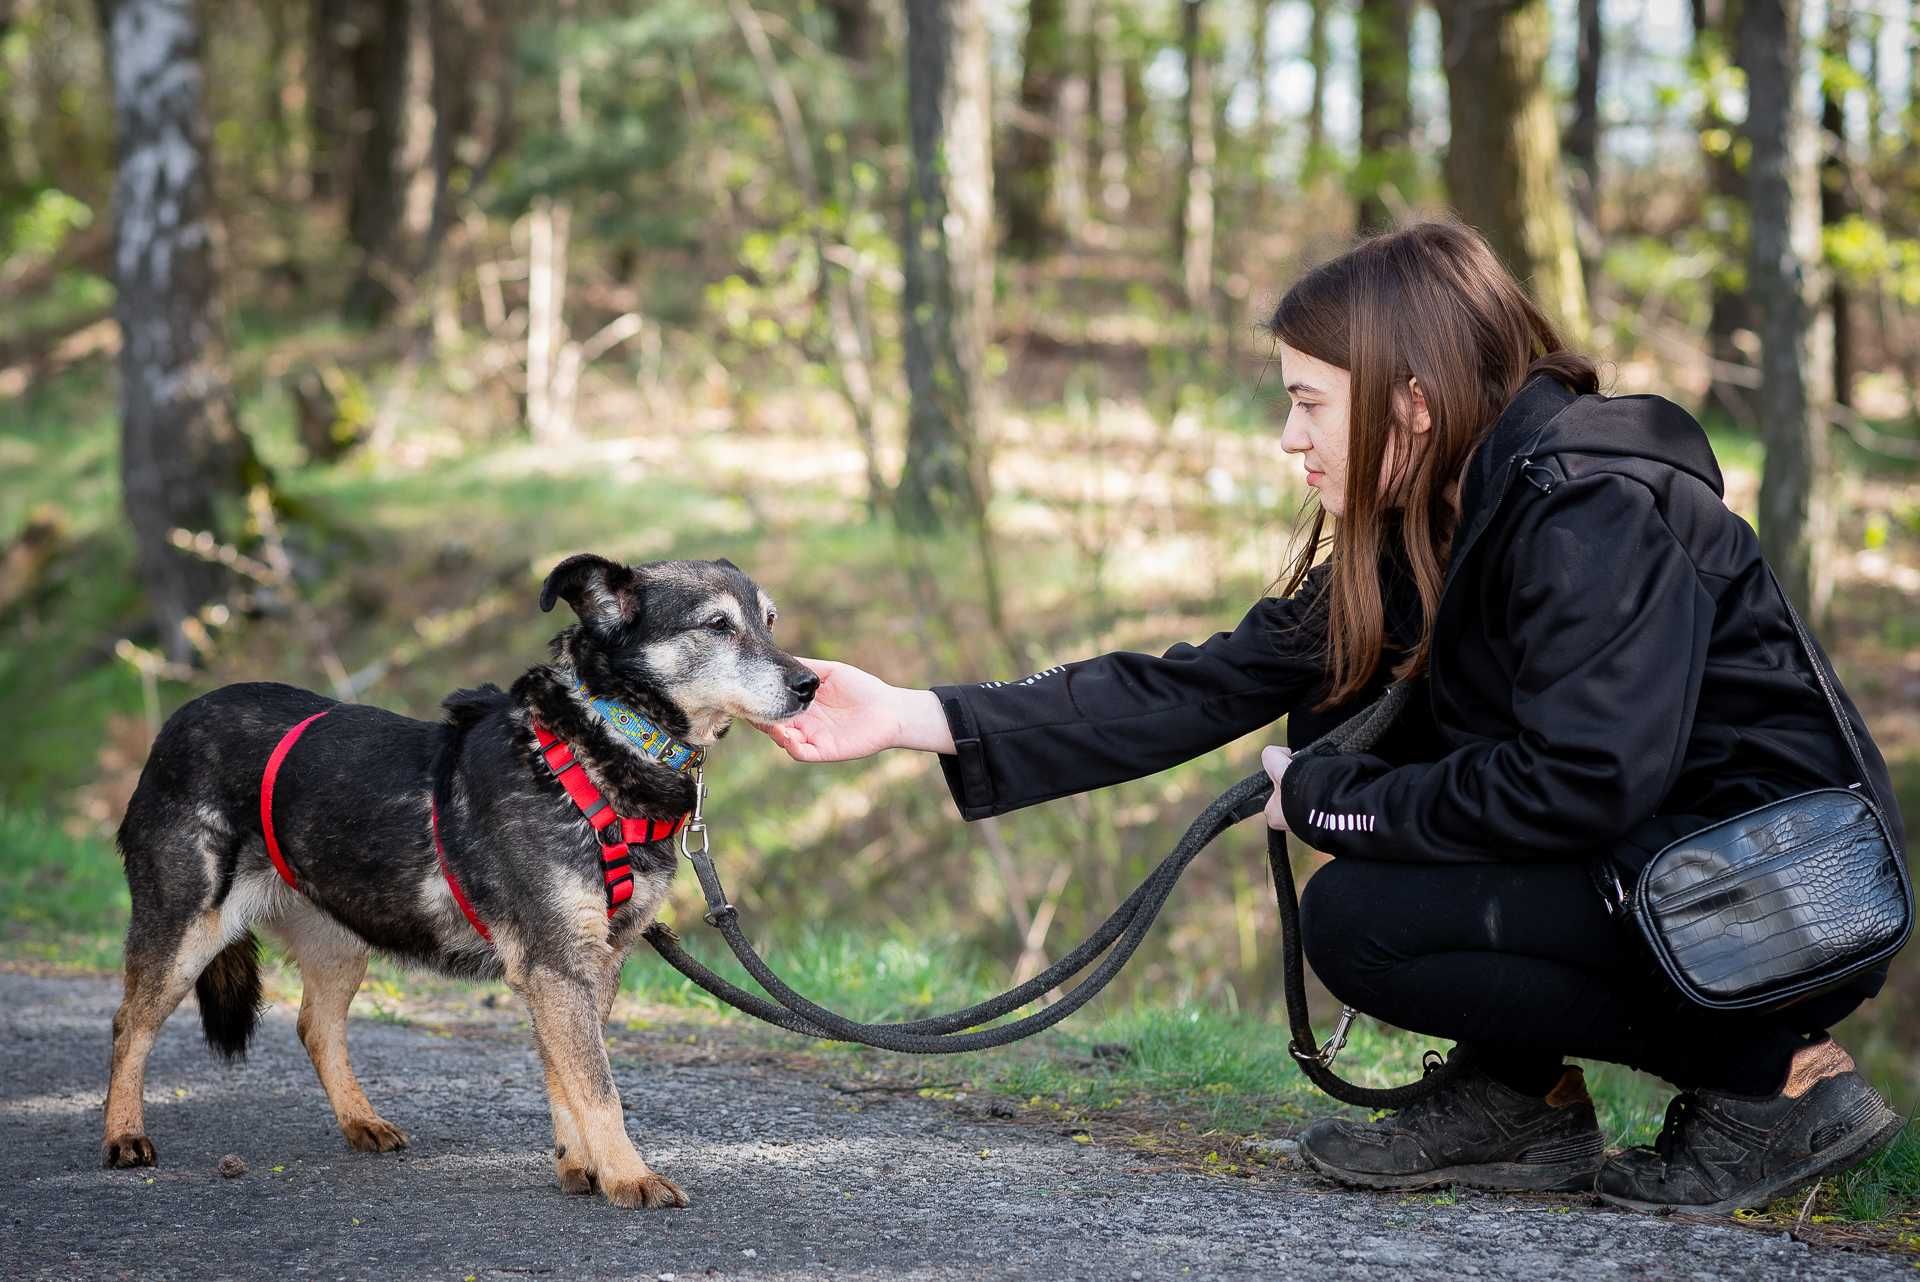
229, 993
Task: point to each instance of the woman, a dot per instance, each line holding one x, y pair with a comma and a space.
1609, 666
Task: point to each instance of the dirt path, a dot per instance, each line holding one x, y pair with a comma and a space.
789, 1177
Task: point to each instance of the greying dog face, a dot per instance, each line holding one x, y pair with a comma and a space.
696, 634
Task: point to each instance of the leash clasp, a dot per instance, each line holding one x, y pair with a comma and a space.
1334, 1044
697, 824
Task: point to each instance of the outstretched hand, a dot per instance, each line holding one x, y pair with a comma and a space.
853, 714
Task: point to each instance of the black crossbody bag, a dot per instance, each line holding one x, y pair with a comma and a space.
1780, 903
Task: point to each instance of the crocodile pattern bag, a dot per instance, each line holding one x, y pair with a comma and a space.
1780, 903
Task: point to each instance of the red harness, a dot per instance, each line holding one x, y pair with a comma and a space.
616, 832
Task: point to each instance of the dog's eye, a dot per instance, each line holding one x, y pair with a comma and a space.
720, 623
771, 616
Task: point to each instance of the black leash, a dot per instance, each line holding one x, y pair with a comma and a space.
959, 1030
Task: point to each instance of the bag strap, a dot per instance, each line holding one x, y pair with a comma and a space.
1826, 687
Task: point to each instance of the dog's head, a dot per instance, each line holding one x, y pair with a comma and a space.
694, 636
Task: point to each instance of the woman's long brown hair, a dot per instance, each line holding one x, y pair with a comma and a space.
1430, 301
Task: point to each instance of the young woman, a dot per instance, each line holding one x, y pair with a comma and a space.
1608, 667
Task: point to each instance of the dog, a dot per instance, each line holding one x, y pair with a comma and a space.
469, 846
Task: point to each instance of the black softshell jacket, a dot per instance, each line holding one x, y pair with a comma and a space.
1612, 667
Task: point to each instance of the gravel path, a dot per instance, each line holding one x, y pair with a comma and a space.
789, 1178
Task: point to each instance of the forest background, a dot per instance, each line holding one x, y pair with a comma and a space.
330, 325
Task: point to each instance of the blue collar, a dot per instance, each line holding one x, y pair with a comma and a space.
644, 733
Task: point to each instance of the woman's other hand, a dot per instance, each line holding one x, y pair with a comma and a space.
1276, 760
856, 714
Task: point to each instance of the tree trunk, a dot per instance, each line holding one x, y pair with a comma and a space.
1317, 61
1784, 281
1194, 235
1503, 163
1115, 194
183, 460
1029, 169
1070, 121
1385, 38
1583, 136
1836, 198
379, 64
328, 112
550, 234
1261, 132
856, 29
947, 255
1730, 313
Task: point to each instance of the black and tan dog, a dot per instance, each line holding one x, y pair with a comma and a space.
459, 845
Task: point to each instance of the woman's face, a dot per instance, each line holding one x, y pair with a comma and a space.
1317, 421
1318, 424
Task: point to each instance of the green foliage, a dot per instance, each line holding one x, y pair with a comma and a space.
1865, 252
42, 223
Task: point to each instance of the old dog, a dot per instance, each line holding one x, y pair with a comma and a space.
526, 836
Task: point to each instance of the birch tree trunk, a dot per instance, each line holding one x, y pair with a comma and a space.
1115, 195
183, 461
947, 255
1070, 120
1785, 281
1503, 162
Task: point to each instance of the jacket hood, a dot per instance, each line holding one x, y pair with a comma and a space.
1547, 417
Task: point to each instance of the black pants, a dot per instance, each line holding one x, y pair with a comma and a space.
1521, 962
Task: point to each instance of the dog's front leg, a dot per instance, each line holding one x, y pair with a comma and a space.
573, 1050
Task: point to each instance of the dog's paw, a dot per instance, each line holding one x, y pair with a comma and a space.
127, 1151
372, 1135
575, 1176
648, 1190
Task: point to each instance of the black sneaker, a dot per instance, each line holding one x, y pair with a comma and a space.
1719, 1152
1472, 1131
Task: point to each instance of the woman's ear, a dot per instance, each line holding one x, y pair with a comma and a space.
1418, 419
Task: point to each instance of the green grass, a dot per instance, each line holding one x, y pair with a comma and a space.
65, 896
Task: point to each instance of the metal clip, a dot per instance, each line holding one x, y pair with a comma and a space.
697, 824
1331, 1049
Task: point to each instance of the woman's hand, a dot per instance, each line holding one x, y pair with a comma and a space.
856, 714
1276, 760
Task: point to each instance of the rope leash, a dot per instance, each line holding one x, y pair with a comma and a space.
959, 1030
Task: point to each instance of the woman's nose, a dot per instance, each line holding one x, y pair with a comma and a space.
1293, 439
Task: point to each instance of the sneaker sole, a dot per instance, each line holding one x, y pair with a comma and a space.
1495, 1177
1862, 1144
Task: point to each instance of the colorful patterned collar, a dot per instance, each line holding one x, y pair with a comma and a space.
648, 736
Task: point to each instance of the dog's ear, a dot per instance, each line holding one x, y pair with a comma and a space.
730, 565
603, 593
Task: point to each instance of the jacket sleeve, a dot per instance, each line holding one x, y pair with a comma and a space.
1610, 623
1105, 720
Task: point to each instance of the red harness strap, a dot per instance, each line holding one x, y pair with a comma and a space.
617, 868
280, 751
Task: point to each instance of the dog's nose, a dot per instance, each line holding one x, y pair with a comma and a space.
803, 684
